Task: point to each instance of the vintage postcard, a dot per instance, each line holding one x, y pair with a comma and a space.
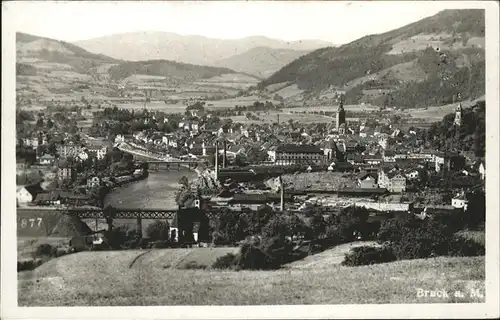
250, 159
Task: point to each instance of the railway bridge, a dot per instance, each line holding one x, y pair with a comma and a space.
41, 222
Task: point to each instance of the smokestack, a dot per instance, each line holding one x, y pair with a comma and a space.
216, 160
282, 195
224, 158
278, 118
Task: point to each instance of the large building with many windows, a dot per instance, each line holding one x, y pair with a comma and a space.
289, 154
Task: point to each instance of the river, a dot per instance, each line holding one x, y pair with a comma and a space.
157, 191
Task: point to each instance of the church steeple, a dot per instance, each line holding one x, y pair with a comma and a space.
458, 113
340, 113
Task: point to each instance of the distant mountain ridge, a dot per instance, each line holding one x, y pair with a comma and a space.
442, 55
261, 61
153, 45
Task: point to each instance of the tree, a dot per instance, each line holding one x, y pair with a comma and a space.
318, 225
109, 214
39, 122
184, 182
241, 160
158, 230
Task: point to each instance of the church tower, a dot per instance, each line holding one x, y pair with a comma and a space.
458, 113
340, 113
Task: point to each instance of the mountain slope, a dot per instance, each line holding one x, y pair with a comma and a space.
29, 47
48, 68
445, 51
187, 49
165, 68
53, 69
261, 61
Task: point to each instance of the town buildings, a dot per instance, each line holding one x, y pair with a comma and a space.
392, 180
459, 201
69, 149
367, 180
28, 193
290, 154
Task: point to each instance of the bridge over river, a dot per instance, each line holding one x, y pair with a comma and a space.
46, 221
159, 161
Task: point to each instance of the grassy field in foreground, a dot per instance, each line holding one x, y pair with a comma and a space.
106, 279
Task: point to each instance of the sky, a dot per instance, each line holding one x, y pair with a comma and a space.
337, 22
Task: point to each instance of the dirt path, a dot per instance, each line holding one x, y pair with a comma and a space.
137, 258
327, 258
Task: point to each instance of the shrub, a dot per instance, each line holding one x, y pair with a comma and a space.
349, 223
27, 265
415, 239
368, 255
116, 237
158, 230
463, 247
160, 244
254, 258
193, 265
226, 261
45, 250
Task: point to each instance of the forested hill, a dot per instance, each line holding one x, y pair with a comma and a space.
424, 63
469, 136
166, 68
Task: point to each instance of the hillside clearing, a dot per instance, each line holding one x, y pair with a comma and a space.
77, 280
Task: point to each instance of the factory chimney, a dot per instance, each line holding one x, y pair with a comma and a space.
224, 158
216, 160
282, 195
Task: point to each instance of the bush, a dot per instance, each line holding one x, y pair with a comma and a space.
191, 265
415, 239
368, 255
28, 264
160, 244
158, 230
463, 247
227, 261
45, 250
254, 258
117, 237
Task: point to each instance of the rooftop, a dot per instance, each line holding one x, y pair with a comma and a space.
291, 148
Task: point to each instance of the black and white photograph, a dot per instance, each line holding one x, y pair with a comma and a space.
250, 153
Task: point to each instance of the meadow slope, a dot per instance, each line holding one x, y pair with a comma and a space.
108, 279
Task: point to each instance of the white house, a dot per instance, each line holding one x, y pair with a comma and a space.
23, 195
383, 143
439, 162
367, 181
119, 138
47, 159
93, 182
83, 155
482, 170
459, 202
412, 175
272, 155
164, 140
